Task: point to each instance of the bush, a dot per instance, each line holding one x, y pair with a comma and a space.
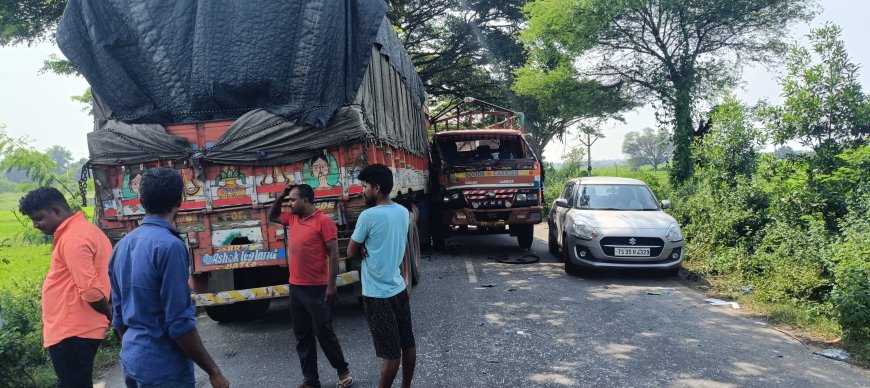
21, 348
851, 294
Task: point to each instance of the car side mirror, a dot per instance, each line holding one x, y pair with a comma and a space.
666, 204
561, 202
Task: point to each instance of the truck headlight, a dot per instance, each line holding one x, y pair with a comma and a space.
521, 197
674, 233
584, 230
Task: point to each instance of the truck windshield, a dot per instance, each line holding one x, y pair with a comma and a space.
472, 151
615, 197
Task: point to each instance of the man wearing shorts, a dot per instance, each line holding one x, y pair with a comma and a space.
379, 239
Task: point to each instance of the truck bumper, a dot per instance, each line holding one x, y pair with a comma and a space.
493, 217
282, 290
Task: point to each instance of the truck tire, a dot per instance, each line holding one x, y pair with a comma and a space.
525, 235
220, 313
250, 310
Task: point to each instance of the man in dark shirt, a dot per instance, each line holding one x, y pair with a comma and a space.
313, 261
153, 310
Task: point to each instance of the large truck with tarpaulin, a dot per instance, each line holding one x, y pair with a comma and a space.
244, 98
485, 177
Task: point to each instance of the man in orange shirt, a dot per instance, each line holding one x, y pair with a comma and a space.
75, 305
313, 263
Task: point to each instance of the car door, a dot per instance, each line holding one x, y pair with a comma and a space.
568, 194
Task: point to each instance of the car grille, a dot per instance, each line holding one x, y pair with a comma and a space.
654, 243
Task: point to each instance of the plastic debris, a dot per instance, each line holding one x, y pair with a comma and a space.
747, 289
834, 354
759, 323
484, 287
653, 293
720, 302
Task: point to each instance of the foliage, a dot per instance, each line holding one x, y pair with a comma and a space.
460, 48
731, 148
29, 21
648, 147
824, 106
562, 101
667, 51
42, 168
21, 336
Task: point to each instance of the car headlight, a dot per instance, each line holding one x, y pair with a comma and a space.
584, 230
521, 197
455, 196
674, 233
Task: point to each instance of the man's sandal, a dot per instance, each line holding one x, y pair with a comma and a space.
345, 382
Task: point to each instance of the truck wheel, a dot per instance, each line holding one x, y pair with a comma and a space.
250, 310
220, 313
525, 235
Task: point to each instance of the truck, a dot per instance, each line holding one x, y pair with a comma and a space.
486, 179
279, 93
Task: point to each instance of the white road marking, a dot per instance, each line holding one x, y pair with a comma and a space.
471, 277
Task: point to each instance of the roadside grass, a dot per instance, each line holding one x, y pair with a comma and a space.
23, 264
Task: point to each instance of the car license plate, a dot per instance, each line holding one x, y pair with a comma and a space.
632, 252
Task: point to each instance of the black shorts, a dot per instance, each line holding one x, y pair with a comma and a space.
390, 323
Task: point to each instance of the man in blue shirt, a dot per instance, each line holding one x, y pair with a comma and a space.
153, 311
380, 238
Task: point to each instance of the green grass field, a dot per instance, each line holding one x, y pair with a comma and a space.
19, 262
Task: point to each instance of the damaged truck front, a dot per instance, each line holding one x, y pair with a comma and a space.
290, 92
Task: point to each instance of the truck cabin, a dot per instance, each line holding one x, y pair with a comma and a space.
476, 148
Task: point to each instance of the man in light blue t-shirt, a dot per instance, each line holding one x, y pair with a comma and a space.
380, 238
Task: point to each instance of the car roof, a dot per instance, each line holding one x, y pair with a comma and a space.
607, 180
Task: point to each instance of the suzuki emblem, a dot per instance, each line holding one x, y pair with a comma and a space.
632, 241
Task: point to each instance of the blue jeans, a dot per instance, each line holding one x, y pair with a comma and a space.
166, 384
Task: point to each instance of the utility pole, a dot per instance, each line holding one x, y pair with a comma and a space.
592, 135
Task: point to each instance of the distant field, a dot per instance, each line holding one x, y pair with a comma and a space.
20, 262
625, 171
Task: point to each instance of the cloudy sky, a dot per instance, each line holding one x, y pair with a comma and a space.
39, 105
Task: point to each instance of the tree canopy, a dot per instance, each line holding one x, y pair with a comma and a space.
674, 53
824, 104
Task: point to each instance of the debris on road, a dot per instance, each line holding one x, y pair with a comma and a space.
720, 302
666, 288
747, 289
653, 293
833, 341
834, 354
484, 287
528, 258
759, 323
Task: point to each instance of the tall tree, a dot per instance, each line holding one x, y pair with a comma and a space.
671, 52
648, 147
824, 106
557, 101
61, 157
460, 47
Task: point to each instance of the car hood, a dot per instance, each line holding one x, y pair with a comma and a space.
620, 219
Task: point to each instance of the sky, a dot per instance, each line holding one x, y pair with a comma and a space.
39, 106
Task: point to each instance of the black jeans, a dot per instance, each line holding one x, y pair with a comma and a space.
312, 323
73, 361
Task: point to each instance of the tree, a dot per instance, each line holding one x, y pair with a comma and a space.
460, 47
61, 157
648, 147
592, 134
824, 106
730, 150
557, 100
16, 154
29, 21
673, 53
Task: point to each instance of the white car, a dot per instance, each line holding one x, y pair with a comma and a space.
605, 222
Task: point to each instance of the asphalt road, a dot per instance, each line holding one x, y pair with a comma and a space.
537, 327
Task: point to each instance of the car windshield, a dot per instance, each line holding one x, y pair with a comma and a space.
481, 150
615, 197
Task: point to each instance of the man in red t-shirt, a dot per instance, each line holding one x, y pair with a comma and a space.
312, 241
